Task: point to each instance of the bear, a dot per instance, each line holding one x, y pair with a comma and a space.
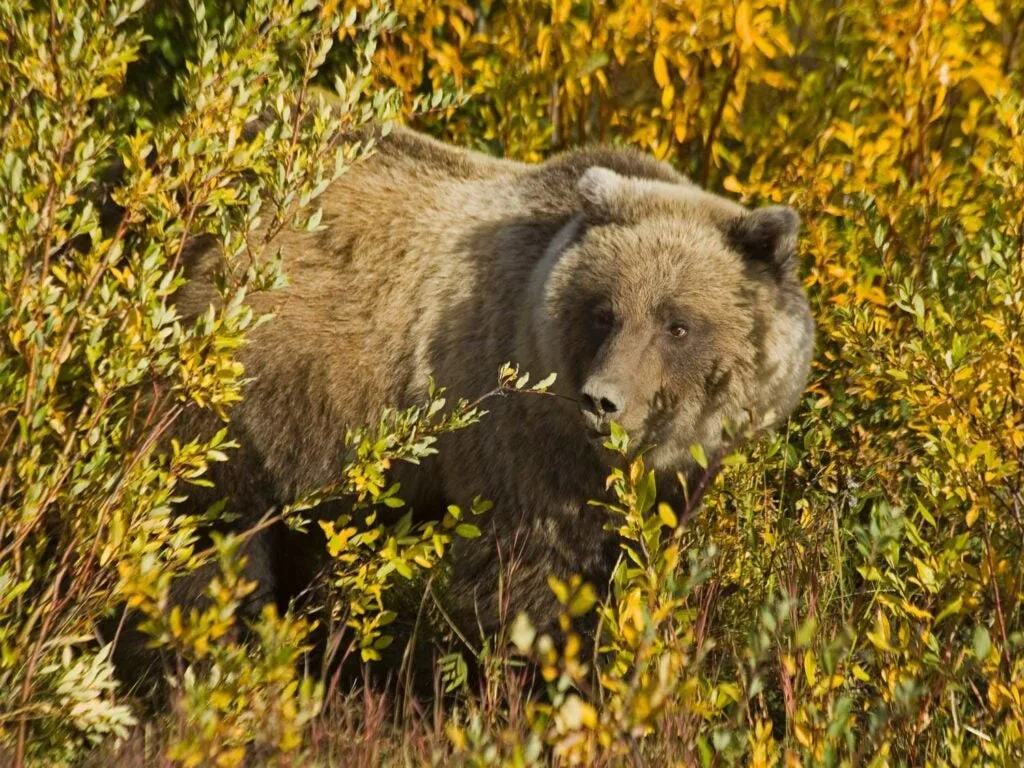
660, 306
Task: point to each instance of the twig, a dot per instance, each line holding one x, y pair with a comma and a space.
716, 120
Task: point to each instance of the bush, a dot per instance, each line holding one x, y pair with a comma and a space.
848, 594
96, 365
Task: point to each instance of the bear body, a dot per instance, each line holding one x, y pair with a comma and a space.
660, 306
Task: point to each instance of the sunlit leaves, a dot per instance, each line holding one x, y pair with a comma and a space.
96, 366
890, 509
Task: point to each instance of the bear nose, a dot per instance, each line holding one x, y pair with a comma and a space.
601, 399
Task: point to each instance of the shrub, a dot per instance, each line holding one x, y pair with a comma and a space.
96, 365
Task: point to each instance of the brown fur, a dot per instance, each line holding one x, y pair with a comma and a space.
436, 261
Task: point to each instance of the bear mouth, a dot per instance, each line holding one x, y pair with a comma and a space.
596, 430
594, 434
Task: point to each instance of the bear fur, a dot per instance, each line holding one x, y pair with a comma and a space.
673, 311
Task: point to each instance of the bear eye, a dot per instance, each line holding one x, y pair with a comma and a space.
677, 330
603, 317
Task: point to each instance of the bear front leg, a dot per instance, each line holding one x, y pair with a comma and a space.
506, 572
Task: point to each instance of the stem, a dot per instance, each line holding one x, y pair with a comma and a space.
716, 120
26, 686
1005, 655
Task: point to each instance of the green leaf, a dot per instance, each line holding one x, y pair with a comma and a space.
582, 601
982, 643
646, 493
952, 607
314, 220
454, 671
697, 451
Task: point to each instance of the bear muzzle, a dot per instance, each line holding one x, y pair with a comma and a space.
601, 403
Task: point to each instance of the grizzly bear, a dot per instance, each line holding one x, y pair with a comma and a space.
672, 311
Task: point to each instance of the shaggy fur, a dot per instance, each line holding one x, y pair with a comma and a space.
668, 309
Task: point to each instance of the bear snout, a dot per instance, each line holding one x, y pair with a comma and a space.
601, 402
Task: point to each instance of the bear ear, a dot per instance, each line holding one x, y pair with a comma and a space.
766, 235
602, 191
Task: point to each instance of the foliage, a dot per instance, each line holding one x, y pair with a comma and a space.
95, 365
864, 604
849, 592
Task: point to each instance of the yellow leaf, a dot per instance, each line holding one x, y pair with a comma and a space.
810, 667
559, 587
788, 665
845, 132
231, 757
971, 224
729, 691
989, 77
988, 9
668, 517
744, 30
561, 11
732, 184
582, 601
661, 76
457, 737
765, 47
544, 46
873, 294
801, 734
680, 130
668, 96
880, 637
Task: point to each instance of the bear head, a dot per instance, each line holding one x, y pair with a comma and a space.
674, 312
